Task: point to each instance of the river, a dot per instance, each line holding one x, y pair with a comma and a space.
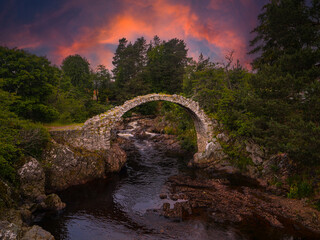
125, 205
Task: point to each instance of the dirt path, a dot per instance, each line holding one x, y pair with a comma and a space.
63, 127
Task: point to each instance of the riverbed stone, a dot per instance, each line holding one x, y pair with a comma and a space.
163, 196
179, 210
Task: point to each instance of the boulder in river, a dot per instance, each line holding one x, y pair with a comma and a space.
54, 203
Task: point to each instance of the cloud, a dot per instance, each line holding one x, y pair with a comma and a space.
93, 29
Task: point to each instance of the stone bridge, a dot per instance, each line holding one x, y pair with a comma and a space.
96, 131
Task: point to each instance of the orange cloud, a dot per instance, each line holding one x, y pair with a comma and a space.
164, 19
156, 17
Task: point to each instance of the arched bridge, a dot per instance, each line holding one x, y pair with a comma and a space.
102, 124
96, 131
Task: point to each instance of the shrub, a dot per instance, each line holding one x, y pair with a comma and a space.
18, 138
7, 171
300, 189
33, 139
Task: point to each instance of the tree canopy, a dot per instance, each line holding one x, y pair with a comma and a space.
77, 68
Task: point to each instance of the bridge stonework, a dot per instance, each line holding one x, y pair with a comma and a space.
96, 131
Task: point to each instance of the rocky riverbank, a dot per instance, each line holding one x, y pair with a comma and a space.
236, 199
223, 195
61, 166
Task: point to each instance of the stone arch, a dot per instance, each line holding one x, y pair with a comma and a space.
97, 129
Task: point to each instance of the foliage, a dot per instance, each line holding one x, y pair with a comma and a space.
288, 33
286, 87
237, 154
223, 94
129, 63
17, 138
77, 69
141, 68
32, 79
150, 108
33, 138
102, 84
300, 190
166, 65
180, 124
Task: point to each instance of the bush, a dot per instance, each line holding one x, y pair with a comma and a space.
237, 154
300, 186
180, 124
33, 139
44, 113
35, 111
150, 108
18, 138
7, 171
300, 190
95, 108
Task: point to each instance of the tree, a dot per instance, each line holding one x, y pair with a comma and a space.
102, 83
286, 86
287, 35
288, 39
193, 68
129, 68
166, 65
118, 59
77, 68
32, 79
17, 138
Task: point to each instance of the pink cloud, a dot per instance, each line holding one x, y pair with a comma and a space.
210, 26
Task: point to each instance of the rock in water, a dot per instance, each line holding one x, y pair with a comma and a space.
116, 158
54, 203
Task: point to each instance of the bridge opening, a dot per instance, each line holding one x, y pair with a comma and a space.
168, 118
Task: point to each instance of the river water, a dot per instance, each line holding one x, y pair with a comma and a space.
123, 206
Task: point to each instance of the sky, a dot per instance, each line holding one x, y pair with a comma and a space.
92, 28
